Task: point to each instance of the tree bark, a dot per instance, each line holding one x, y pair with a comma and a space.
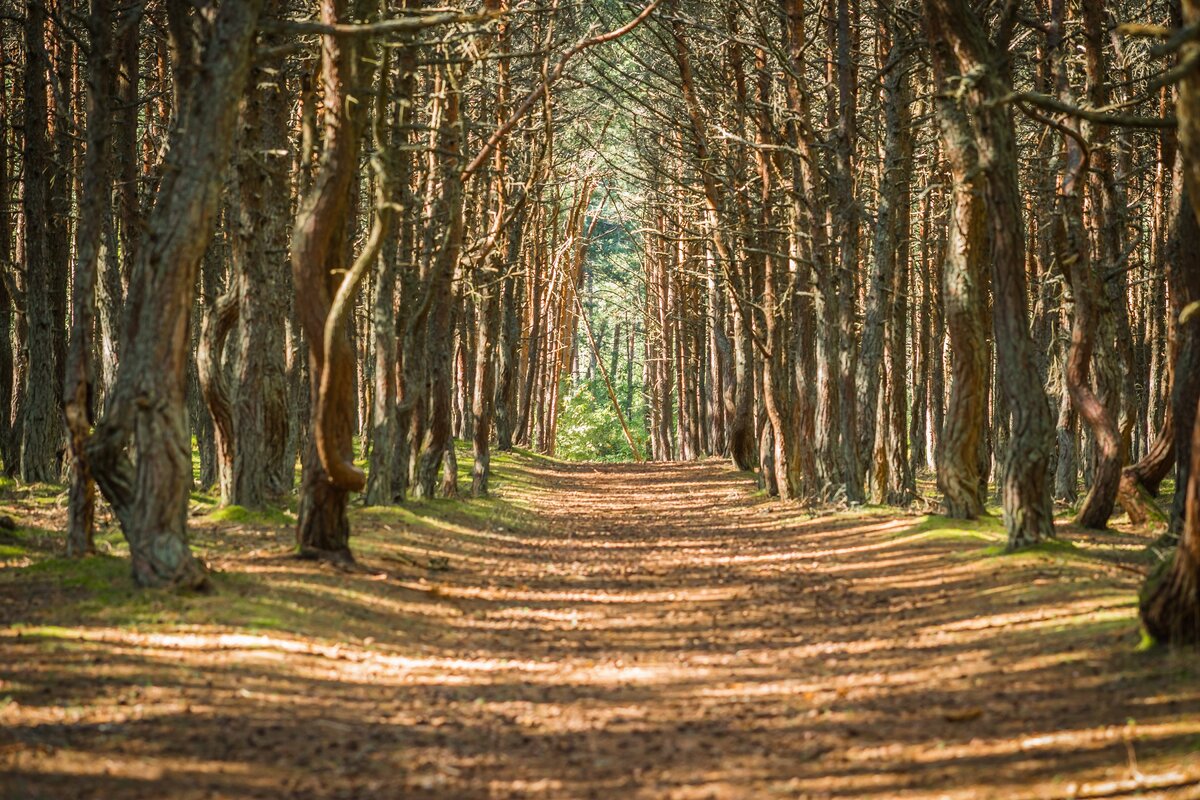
323, 290
963, 298
1028, 514
95, 191
260, 241
40, 411
1170, 601
150, 497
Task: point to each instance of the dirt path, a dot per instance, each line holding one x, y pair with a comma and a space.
659, 632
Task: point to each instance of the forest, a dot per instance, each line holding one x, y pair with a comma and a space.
599, 398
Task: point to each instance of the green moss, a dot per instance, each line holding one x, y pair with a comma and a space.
938, 528
433, 534
1056, 547
1147, 642
102, 574
249, 516
45, 632
112, 537
10, 551
203, 498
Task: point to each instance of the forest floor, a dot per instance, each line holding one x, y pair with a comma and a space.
592, 631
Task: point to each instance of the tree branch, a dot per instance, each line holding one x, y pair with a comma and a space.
1090, 114
406, 24
554, 74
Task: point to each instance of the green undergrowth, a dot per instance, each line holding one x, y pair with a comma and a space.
257, 583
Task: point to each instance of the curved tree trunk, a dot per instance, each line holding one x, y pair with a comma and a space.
1028, 514
148, 406
318, 250
1089, 308
215, 328
1170, 603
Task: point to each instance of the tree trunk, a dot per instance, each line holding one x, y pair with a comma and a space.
963, 300
260, 240
322, 295
441, 317
40, 423
1075, 258
218, 323
1028, 514
150, 497
95, 192
1170, 602
1184, 276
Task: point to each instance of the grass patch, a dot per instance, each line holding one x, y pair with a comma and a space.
10, 551
99, 574
1052, 547
287, 596
251, 516
987, 530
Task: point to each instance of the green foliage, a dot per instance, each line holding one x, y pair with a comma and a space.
589, 429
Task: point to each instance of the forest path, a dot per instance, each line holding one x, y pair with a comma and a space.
648, 631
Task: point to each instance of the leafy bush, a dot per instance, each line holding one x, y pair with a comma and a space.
588, 427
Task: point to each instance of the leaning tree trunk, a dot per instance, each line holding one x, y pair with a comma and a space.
1170, 600
1170, 603
1181, 263
1089, 299
148, 406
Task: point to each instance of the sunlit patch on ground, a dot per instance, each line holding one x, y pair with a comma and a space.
602, 631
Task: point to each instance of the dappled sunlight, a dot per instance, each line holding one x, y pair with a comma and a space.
596, 632
1042, 616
